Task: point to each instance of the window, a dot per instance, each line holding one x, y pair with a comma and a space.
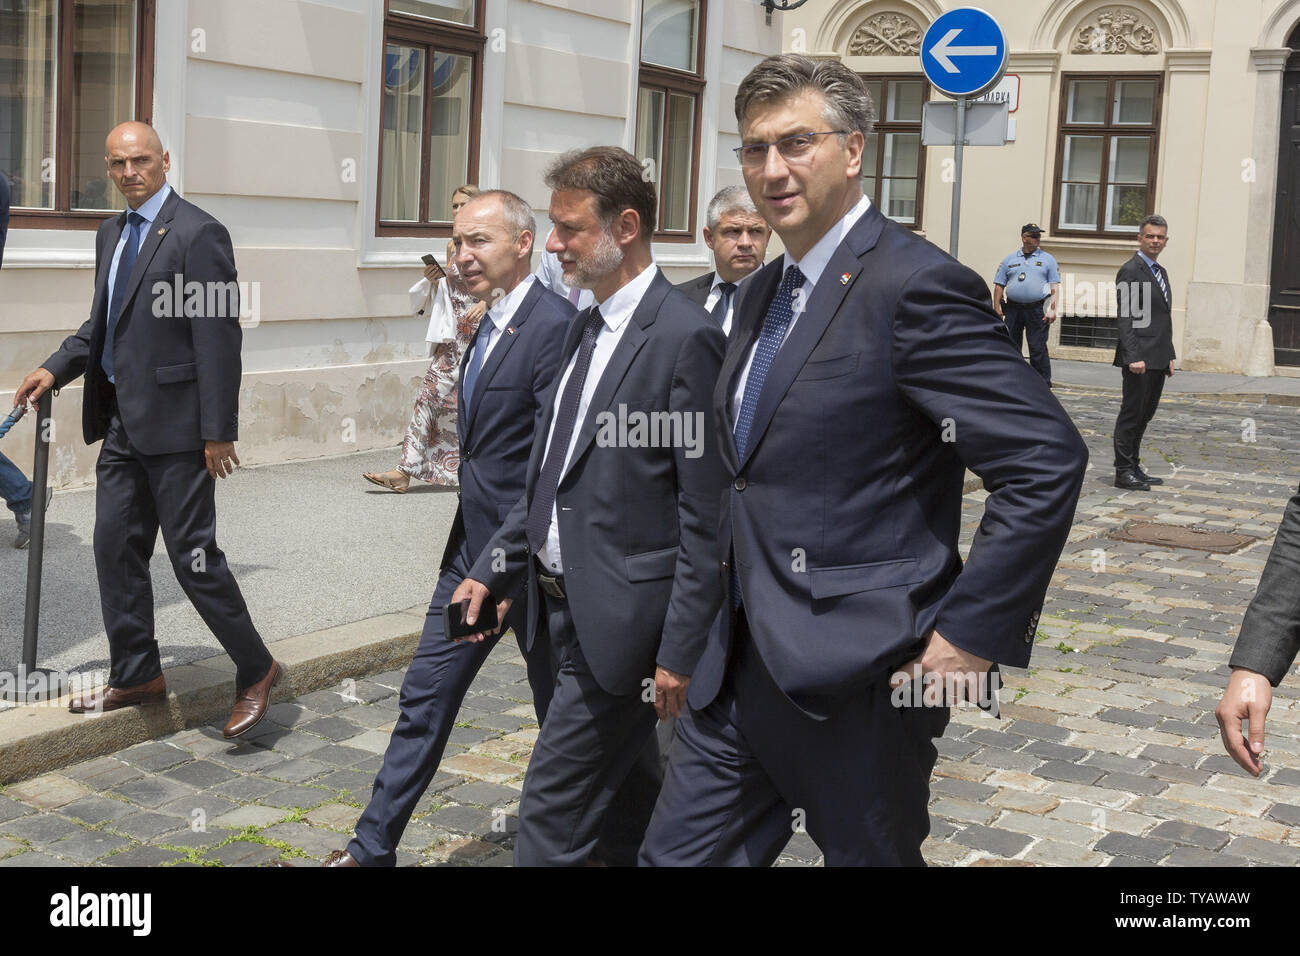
70, 70
668, 109
1106, 154
893, 161
432, 83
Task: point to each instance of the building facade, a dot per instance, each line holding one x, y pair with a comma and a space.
1186, 108
328, 137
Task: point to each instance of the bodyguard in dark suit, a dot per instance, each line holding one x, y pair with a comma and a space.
503, 378
1266, 647
738, 239
162, 374
866, 372
1145, 350
616, 533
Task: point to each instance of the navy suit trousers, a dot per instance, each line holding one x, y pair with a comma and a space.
751, 769
135, 496
595, 770
434, 688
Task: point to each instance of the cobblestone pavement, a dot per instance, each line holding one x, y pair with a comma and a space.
1107, 752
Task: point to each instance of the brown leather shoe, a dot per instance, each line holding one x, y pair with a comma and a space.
115, 698
252, 703
340, 858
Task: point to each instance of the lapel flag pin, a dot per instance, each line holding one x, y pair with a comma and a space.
844, 278
162, 232
510, 330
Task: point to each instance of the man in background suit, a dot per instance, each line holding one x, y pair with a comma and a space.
865, 374
1266, 647
1144, 351
738, 238
503, 378
616, 533
162, 391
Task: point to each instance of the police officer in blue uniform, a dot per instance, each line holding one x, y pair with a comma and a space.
1031, 282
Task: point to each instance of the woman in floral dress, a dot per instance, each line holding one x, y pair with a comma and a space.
431, 450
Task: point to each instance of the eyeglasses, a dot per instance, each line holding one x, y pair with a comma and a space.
798, 148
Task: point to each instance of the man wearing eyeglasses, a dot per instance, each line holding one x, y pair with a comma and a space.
864, 374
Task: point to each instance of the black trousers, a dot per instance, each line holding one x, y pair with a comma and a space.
752, 769
1137, 405
136, 496
1027, 318
595, 771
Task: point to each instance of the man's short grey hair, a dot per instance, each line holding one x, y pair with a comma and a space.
1153, 220
728, 200
848, 102
517, 213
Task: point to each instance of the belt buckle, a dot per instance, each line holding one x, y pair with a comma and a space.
552, 585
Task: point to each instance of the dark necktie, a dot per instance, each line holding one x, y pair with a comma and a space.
779, 316
125, 263
1160, 279
719, 310
539, 512
478, 357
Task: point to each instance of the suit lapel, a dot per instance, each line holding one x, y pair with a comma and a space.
158, 232
747, 318
99, 308
505, 342
634, 337
542, 432
820, 309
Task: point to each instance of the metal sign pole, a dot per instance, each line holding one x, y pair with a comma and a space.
958, 144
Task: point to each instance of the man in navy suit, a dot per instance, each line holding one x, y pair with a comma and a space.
503, 378
866, 372
162, 390
616, 532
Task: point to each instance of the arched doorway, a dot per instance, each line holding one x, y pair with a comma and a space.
1284, 295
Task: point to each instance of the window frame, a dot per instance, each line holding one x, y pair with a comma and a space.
880, 127
1107, 130
439, 36
652, 76
63, 216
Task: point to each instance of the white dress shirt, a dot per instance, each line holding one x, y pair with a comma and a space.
148, 211
812, 266
715, 294
500, 315
617, 312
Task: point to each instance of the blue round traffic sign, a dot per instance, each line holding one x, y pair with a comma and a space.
964, 53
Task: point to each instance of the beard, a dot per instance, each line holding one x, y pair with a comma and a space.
605, 258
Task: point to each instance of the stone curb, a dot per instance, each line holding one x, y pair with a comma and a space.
38, 738
1255, 398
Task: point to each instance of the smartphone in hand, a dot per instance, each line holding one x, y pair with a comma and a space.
453, 620
429, 260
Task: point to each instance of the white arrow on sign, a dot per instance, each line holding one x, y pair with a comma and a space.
941, 51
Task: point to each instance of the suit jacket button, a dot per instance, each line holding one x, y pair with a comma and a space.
739, 484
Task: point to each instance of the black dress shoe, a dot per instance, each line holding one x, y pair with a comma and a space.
1130, 482
1142, 475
